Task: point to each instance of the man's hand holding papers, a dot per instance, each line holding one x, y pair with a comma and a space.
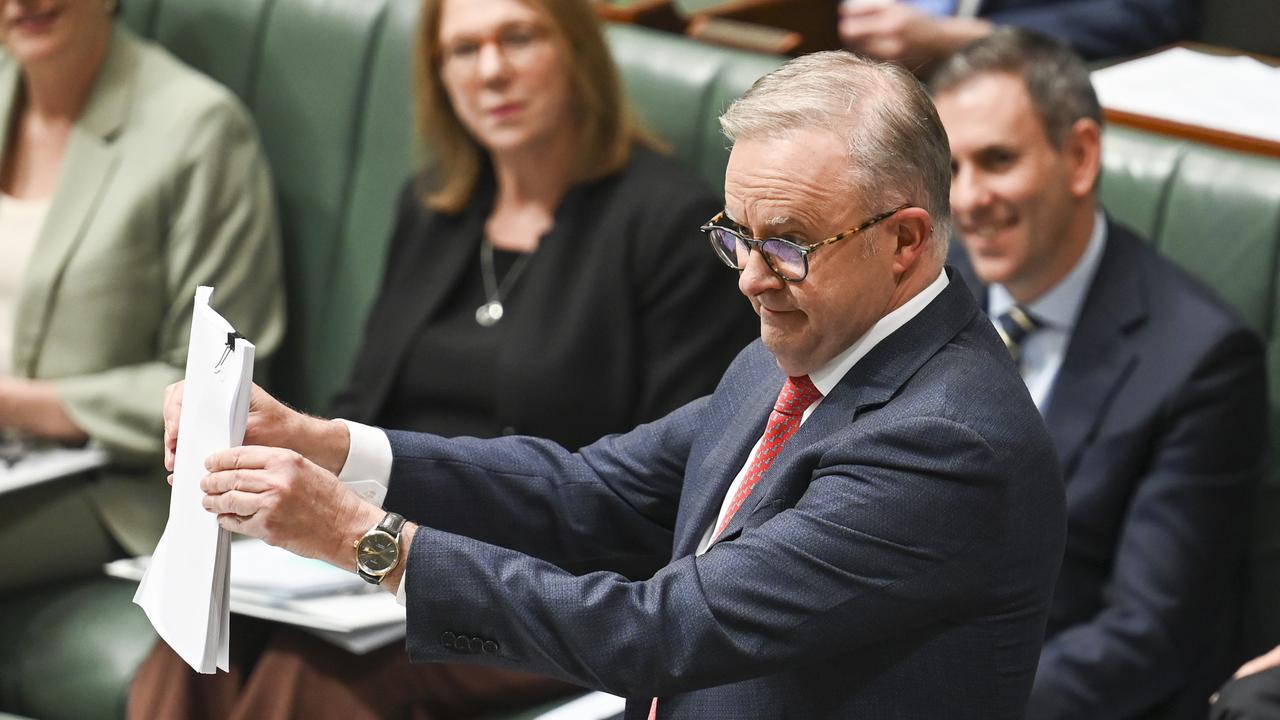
271, 423
287, 494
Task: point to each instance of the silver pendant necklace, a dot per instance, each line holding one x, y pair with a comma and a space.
488, 314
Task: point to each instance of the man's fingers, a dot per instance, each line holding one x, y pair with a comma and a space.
245, 457
858, 12
238, 524
235, 502
224, 481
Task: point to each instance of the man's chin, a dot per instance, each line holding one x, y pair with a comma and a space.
991, 270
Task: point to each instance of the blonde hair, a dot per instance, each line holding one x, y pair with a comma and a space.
608, 127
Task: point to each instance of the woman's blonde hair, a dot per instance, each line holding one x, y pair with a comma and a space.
608, 127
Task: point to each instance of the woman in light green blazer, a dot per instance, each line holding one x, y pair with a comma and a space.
138, 179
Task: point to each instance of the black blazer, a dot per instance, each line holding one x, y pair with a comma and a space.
622, 315
896, 560
1159, 417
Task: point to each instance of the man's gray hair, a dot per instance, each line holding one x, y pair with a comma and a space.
1055, 77
897, 149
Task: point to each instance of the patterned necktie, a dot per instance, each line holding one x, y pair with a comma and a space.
797, 394
1014, 326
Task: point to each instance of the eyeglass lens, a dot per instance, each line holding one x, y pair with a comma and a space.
785, 259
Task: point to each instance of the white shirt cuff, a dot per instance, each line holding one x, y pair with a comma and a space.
402, 596
367, 471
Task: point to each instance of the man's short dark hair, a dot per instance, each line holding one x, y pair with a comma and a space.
1055, 77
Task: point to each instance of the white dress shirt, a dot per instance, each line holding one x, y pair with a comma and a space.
1057, 310
368, 465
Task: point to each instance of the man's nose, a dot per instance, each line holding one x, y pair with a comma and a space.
968, 191
757, 277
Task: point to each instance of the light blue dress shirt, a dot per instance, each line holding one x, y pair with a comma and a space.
1058, 309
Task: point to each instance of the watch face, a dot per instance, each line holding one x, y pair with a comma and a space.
377, 553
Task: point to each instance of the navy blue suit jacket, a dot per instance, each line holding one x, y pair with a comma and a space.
1100, 28
896, 561
1159, 417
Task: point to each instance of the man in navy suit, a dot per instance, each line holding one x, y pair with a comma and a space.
921, 33
1152, 388
864, 520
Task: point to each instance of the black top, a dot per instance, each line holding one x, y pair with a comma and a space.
446, 385
621, 315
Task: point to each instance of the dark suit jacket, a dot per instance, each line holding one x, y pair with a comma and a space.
1100, 28
624, 296
1159, 416
896, 561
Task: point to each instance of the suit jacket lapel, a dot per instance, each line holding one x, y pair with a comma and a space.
84, 179
742, 425
1099, 356
870, 383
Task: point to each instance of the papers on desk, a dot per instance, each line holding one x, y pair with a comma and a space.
184, 590
593, 706
1235, 94
274, 584
41, 465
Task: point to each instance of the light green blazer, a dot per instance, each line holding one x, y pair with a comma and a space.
163, 187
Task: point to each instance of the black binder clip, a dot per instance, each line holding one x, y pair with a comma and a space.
226, 351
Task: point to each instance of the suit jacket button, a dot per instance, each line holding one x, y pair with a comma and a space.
490, 647
476, 645
461, 643
446, 639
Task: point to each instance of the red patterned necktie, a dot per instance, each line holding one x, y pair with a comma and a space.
798, 393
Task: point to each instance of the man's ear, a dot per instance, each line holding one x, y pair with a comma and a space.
1083, 150
911, 228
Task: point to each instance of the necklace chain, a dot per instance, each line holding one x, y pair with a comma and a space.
492, 310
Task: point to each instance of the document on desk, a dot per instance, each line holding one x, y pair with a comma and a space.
1236, 94
185, 589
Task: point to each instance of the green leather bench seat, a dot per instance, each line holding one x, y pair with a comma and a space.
69, 651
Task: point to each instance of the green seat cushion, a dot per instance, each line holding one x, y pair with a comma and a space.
70, 650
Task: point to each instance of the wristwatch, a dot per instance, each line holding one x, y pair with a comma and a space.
378, 551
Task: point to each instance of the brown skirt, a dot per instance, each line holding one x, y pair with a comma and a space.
279, 672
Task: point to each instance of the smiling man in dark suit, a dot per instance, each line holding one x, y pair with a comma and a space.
1152, 388
864, 520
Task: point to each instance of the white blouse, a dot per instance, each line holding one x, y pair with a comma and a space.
20, 223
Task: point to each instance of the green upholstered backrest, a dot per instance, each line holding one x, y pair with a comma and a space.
384, 156
680, 87
69, 651
329, 85
1216, 213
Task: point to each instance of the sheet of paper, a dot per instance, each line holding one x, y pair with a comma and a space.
185, 590
1235, 94
42, 465
595, 706
257, 566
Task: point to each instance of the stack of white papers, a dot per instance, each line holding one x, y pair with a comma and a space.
1235, 94
184, 590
